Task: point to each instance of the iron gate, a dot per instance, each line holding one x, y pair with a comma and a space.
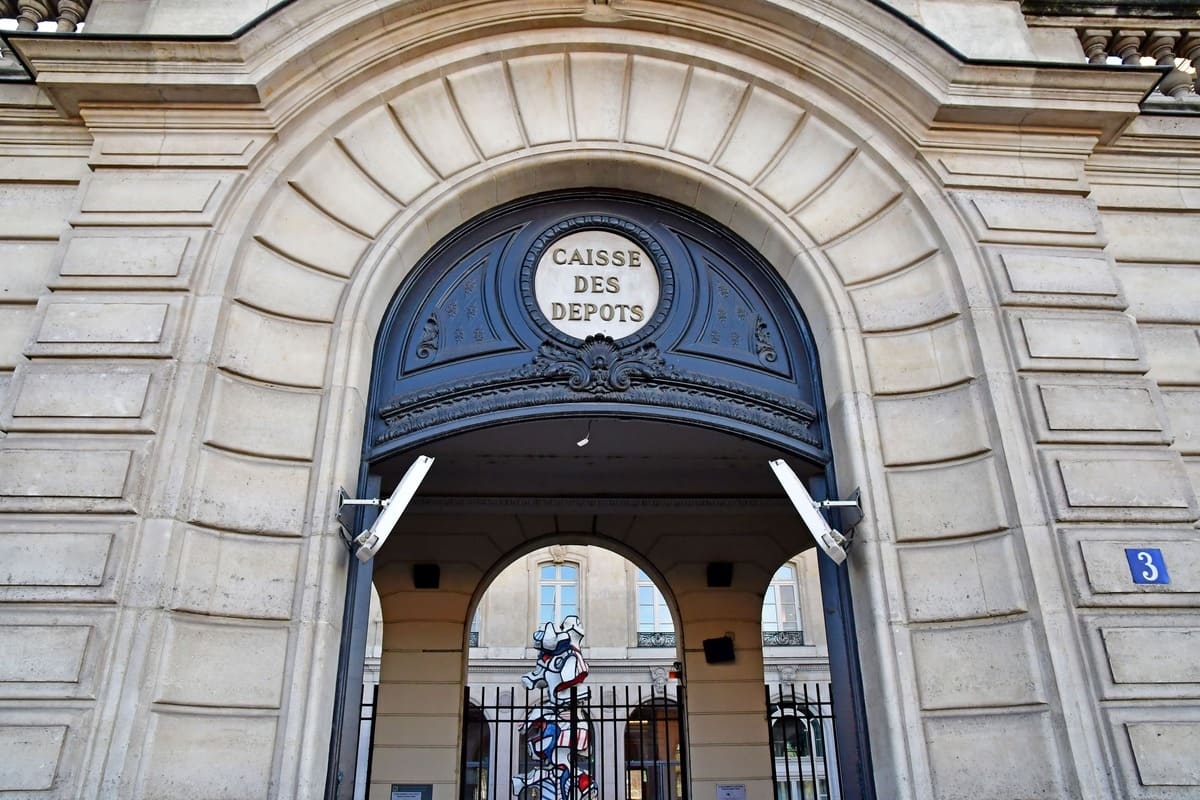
803, 749
606, 743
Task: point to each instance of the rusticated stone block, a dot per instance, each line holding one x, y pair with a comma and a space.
16, 327
811, 159
860, 192
1173, 352
1096, 410
1173, 239
1150, 301
597, 94
709, 107
976, 666
1183, 410
1052, 278
252, 418
654, 83
254, 496
54, 559
31, 754
921, 295
482, 96
1108, 571
932, 427
220, 757
26, 271
897, 238
1165, 752
1028, 218
119, 323
997, 756
376, 144
919, 361
222, 664
939, 502
540, 89
275, 350
108, 325
42, 653
64, 473
88, 397
274, 283
34, 210
766, 123
1082, 341
301, 231
1119, 485
332, 181
1152, 654
238, 576
127, 256
962, 580
121, 192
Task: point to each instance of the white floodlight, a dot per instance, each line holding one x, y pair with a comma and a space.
829, 540
373, 538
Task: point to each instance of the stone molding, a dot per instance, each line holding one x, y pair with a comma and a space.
845, 43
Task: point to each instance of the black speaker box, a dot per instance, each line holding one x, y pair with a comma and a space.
720, 573
426, 576
718, 650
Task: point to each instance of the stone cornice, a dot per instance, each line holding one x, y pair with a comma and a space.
292, 58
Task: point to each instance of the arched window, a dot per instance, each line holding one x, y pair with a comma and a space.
781, 626
558, 592
655, 627
652, 751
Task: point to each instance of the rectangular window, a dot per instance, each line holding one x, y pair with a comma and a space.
558, 593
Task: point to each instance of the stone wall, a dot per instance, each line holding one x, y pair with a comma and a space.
998, 287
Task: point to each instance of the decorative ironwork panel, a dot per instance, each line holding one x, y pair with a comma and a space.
656, 639
783, 638
620, 743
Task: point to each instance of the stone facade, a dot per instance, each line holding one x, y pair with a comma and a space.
204, 216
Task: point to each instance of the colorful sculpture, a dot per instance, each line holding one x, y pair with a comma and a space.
558, 735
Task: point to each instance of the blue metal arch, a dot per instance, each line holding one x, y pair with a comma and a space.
463, 343
442, 369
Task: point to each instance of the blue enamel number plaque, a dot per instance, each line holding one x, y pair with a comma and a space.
1146, 565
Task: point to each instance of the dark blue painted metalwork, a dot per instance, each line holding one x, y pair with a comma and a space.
464, 347
465, 338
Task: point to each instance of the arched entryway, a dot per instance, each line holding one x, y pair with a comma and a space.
673, 415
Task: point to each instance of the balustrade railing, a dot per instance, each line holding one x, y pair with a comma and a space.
60, 16
1166, 47
29, 14
1164, 33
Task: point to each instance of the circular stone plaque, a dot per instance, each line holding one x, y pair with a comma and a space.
596, 281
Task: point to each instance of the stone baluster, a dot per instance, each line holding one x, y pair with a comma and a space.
1095, 44
70, 14
1190, 51
1161, 47
30, 13
7, 11
1127, 45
